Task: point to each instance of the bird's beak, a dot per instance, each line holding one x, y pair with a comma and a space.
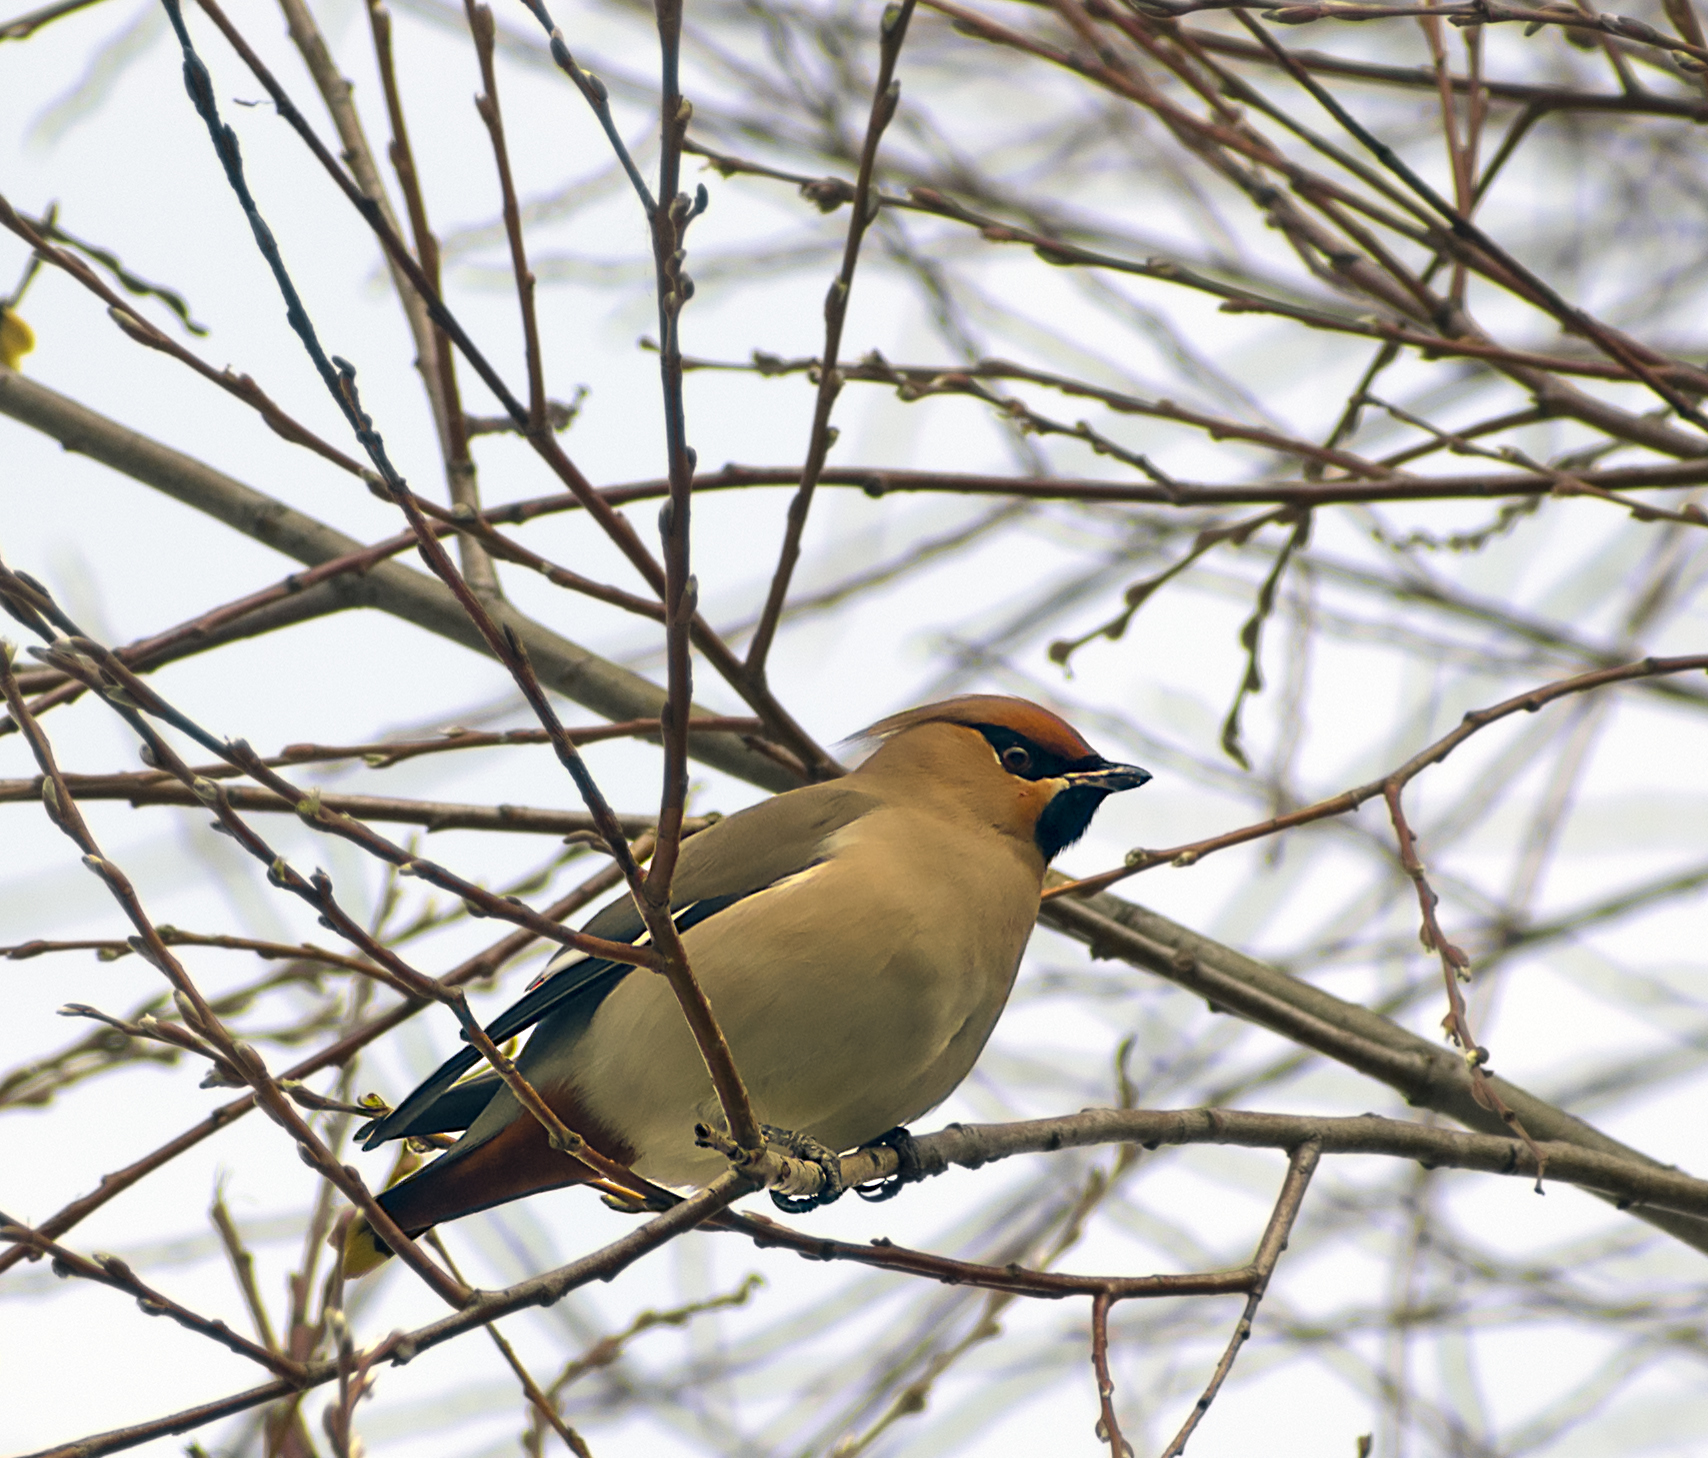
1110, 777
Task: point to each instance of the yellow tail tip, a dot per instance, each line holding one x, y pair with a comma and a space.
16, 338
362, 1250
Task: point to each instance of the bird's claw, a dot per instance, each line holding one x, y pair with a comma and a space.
809, 1151
910, 1167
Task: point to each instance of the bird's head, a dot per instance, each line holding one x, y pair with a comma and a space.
1026, 767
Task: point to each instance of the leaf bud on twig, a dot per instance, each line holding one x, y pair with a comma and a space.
187, 1010
147, 953
827, 194
885, 107
250, 1061
339, 1327
113, 1266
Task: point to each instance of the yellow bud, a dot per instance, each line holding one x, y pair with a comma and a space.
16, 338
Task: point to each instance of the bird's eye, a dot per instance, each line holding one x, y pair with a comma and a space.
1016, 760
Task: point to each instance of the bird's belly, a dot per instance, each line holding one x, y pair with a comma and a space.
846, 1037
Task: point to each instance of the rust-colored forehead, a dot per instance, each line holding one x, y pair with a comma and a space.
1046, 730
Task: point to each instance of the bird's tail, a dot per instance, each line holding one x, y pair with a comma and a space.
363, 1250
518, 1160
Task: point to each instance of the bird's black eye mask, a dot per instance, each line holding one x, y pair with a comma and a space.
1026, 760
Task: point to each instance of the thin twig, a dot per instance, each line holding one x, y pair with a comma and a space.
444, 393
481, 27
483, 964
108, 1270
198, 1016
1348, 800
147, 788
143, 332
1108, 1427
544, 1408
24, 26
1301, 1165
243, 1268
886, 96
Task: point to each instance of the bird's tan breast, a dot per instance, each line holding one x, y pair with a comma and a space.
855, 995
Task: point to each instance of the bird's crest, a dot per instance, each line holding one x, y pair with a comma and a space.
1036, 724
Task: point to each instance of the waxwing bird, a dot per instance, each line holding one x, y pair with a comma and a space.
856, 939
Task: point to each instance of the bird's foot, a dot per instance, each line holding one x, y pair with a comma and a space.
802, 1173
911, 1166
822, 1168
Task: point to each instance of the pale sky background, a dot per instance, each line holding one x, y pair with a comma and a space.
131, 168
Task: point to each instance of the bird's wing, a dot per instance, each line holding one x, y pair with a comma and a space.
723, 864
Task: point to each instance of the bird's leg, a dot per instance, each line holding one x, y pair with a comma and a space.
807, 1149
911, 1167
